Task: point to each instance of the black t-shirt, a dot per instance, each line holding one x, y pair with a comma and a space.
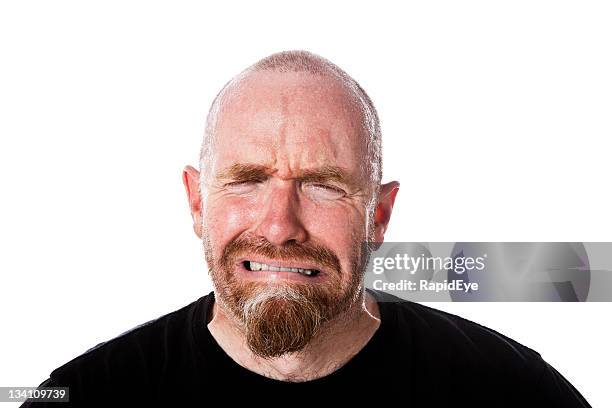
419, 357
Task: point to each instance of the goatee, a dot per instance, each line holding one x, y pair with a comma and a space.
284, 317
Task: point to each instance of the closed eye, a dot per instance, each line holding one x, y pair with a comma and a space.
242, 187
320, 191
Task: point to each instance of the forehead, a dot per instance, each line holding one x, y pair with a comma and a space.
296, 120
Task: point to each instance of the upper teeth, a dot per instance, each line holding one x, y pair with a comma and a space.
256, 266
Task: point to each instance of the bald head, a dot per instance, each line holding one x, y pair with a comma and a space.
310, 73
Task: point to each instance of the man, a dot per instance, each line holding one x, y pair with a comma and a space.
288, 192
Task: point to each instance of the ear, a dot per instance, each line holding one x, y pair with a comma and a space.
191, 180
386, 199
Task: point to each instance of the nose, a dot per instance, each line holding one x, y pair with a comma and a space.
279, 218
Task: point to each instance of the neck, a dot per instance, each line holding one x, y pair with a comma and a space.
322, 356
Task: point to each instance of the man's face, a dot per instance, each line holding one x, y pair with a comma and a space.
286, 190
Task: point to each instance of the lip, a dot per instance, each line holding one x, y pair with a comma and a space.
277, 275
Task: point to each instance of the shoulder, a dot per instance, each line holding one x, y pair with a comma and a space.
465, 355
448, 331
133, 357
452, 349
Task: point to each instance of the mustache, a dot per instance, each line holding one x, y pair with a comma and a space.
290, 251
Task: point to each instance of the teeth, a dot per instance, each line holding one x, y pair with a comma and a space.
256, 266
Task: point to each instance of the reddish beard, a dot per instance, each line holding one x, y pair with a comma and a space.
280, 318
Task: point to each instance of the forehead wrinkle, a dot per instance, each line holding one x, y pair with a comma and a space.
282, 131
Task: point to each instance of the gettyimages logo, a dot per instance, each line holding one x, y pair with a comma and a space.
493, 271
410, 267
412, 264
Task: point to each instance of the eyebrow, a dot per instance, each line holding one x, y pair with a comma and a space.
241, 172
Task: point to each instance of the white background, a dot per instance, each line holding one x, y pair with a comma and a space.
496, 120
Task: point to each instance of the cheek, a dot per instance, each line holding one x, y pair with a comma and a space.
333, 222
339, 228
326, 223
226, 219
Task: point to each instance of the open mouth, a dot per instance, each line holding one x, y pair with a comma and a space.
258, 266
